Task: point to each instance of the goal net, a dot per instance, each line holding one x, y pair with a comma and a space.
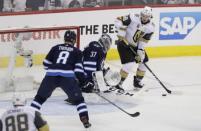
20, 47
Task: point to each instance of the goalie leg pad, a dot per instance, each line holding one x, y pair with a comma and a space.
99, 81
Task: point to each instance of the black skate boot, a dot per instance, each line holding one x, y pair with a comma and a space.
87, 125
119, 86
137, 83
85, 122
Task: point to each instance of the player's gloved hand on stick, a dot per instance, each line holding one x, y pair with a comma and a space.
137, 59
139, 56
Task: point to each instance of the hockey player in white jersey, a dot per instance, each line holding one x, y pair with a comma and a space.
134, 32
22, 118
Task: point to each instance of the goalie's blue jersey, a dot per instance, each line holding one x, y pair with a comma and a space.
94, 57
64, 60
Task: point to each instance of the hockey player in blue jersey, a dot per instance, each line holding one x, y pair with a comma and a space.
94, 56
64, 69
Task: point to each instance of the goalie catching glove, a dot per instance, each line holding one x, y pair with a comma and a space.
112, 78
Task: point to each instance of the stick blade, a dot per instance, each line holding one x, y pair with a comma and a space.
136, 114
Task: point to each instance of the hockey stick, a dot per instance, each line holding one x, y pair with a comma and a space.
136, 114
168, 91
97, 92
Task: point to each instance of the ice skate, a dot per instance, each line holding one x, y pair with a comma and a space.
137, 83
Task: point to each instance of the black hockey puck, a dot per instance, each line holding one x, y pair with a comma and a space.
164, 94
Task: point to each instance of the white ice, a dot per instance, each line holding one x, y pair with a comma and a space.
180, 111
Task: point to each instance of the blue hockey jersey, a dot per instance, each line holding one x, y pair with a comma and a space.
64, 60
94, 58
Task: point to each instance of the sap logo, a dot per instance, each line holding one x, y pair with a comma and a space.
177, 25
181, 26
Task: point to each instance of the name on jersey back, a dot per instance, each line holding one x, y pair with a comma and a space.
65, 48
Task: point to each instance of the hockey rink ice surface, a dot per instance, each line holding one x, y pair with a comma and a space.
180, 111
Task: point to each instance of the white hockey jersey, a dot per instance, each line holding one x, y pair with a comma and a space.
131, 28
19, 118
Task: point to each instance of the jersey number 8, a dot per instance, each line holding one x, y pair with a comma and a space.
63, 56
21, 120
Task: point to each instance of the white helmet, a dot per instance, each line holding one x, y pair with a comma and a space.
19, 100
146, 13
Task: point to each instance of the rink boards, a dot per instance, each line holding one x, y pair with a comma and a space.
176, 33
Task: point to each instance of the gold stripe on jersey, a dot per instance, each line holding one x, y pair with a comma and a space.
123, 39
122, 28
44, 128
120, 18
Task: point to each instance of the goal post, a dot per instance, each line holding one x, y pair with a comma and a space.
19, 46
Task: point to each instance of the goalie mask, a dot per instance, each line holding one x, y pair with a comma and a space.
106, 41
112, 78
70, 37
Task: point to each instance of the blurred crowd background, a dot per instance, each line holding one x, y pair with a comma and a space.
35, 5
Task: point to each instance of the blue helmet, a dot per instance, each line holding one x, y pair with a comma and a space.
70, 36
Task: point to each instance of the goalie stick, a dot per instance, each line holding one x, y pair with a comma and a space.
136, 114
118, 91
97, 91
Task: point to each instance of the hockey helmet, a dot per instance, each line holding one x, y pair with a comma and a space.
70, 36
146, 14
106, 41
19, 100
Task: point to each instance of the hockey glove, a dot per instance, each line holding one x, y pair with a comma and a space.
140, 56
137, 59
88, 87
